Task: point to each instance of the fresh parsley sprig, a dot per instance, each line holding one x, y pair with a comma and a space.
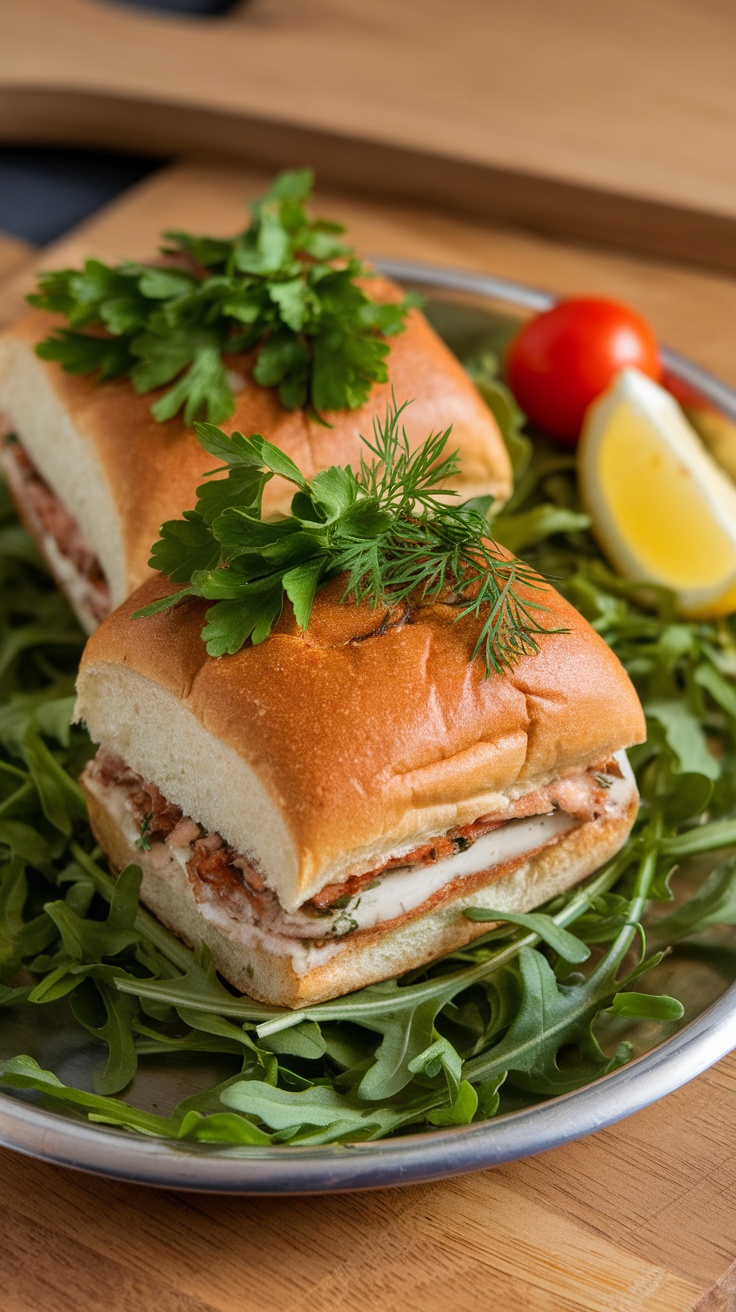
390, 529
286, 286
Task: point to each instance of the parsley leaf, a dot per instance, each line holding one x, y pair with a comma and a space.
287, 287
514, 1016
184, 547
81, 353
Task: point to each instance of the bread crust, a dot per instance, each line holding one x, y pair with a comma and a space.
366, 738
149, 472
364, 958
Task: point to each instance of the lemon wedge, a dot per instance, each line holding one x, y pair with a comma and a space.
662, 510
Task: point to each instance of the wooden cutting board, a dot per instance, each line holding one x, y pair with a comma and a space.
606, 121
13, 254
638, 1218
693, 310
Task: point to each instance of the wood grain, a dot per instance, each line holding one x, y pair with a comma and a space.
436, 1247
614, 122
13, 254
637, 1218
722, 1297
693, 310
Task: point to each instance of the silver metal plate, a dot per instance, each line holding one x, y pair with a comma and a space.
469, 310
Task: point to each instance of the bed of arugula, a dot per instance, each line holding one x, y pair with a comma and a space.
528, 1011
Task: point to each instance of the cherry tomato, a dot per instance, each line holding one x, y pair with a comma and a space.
564, 358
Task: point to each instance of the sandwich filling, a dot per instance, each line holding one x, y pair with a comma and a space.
70, 558
229, 888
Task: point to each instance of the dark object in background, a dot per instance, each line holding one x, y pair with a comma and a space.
190, 8
43, 191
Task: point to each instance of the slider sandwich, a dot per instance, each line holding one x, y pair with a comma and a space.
322, 804
321, 808
94, 471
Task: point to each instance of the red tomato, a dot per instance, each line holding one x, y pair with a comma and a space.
564, 358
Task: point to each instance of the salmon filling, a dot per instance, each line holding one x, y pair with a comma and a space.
53, 527
217, 872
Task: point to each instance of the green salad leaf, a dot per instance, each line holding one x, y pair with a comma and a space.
533, 1008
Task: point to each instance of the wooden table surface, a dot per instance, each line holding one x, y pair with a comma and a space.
637, 1218
611, 121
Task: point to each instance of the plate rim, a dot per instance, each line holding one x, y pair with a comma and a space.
414, 1158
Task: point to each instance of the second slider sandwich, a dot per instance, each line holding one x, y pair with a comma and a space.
321, 807
99, 449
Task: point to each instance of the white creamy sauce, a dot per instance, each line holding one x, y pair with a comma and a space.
71, 580
405, 889
394, 894
61, 567
304, 956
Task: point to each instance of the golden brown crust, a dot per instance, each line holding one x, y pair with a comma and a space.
363, 959
363, 741
153, 469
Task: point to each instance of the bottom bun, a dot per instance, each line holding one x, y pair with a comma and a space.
280, 972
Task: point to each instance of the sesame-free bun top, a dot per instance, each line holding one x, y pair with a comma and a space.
121, 474
322, 753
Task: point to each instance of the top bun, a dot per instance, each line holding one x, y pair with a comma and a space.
320, 753
121, 474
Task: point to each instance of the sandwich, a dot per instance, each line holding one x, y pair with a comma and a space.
95, 467
321, 808
391, 720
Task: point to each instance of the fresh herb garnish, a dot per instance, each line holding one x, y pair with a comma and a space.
603, 780
391, 530
287, 286
459, 1041
143, 841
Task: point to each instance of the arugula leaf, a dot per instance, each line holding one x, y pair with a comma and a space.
440, 1056
13, 894
566, 944
25, 1073
684, 735
528, 528
456, 1042
645, 1006
285, 287
281, 1109
462, 1110
61, 797
484, 371
87, 940
25, 842
114, 1030
221, 1127
713, 904
551, 1016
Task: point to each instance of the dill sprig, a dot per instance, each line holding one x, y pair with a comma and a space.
287, 287
393, 530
